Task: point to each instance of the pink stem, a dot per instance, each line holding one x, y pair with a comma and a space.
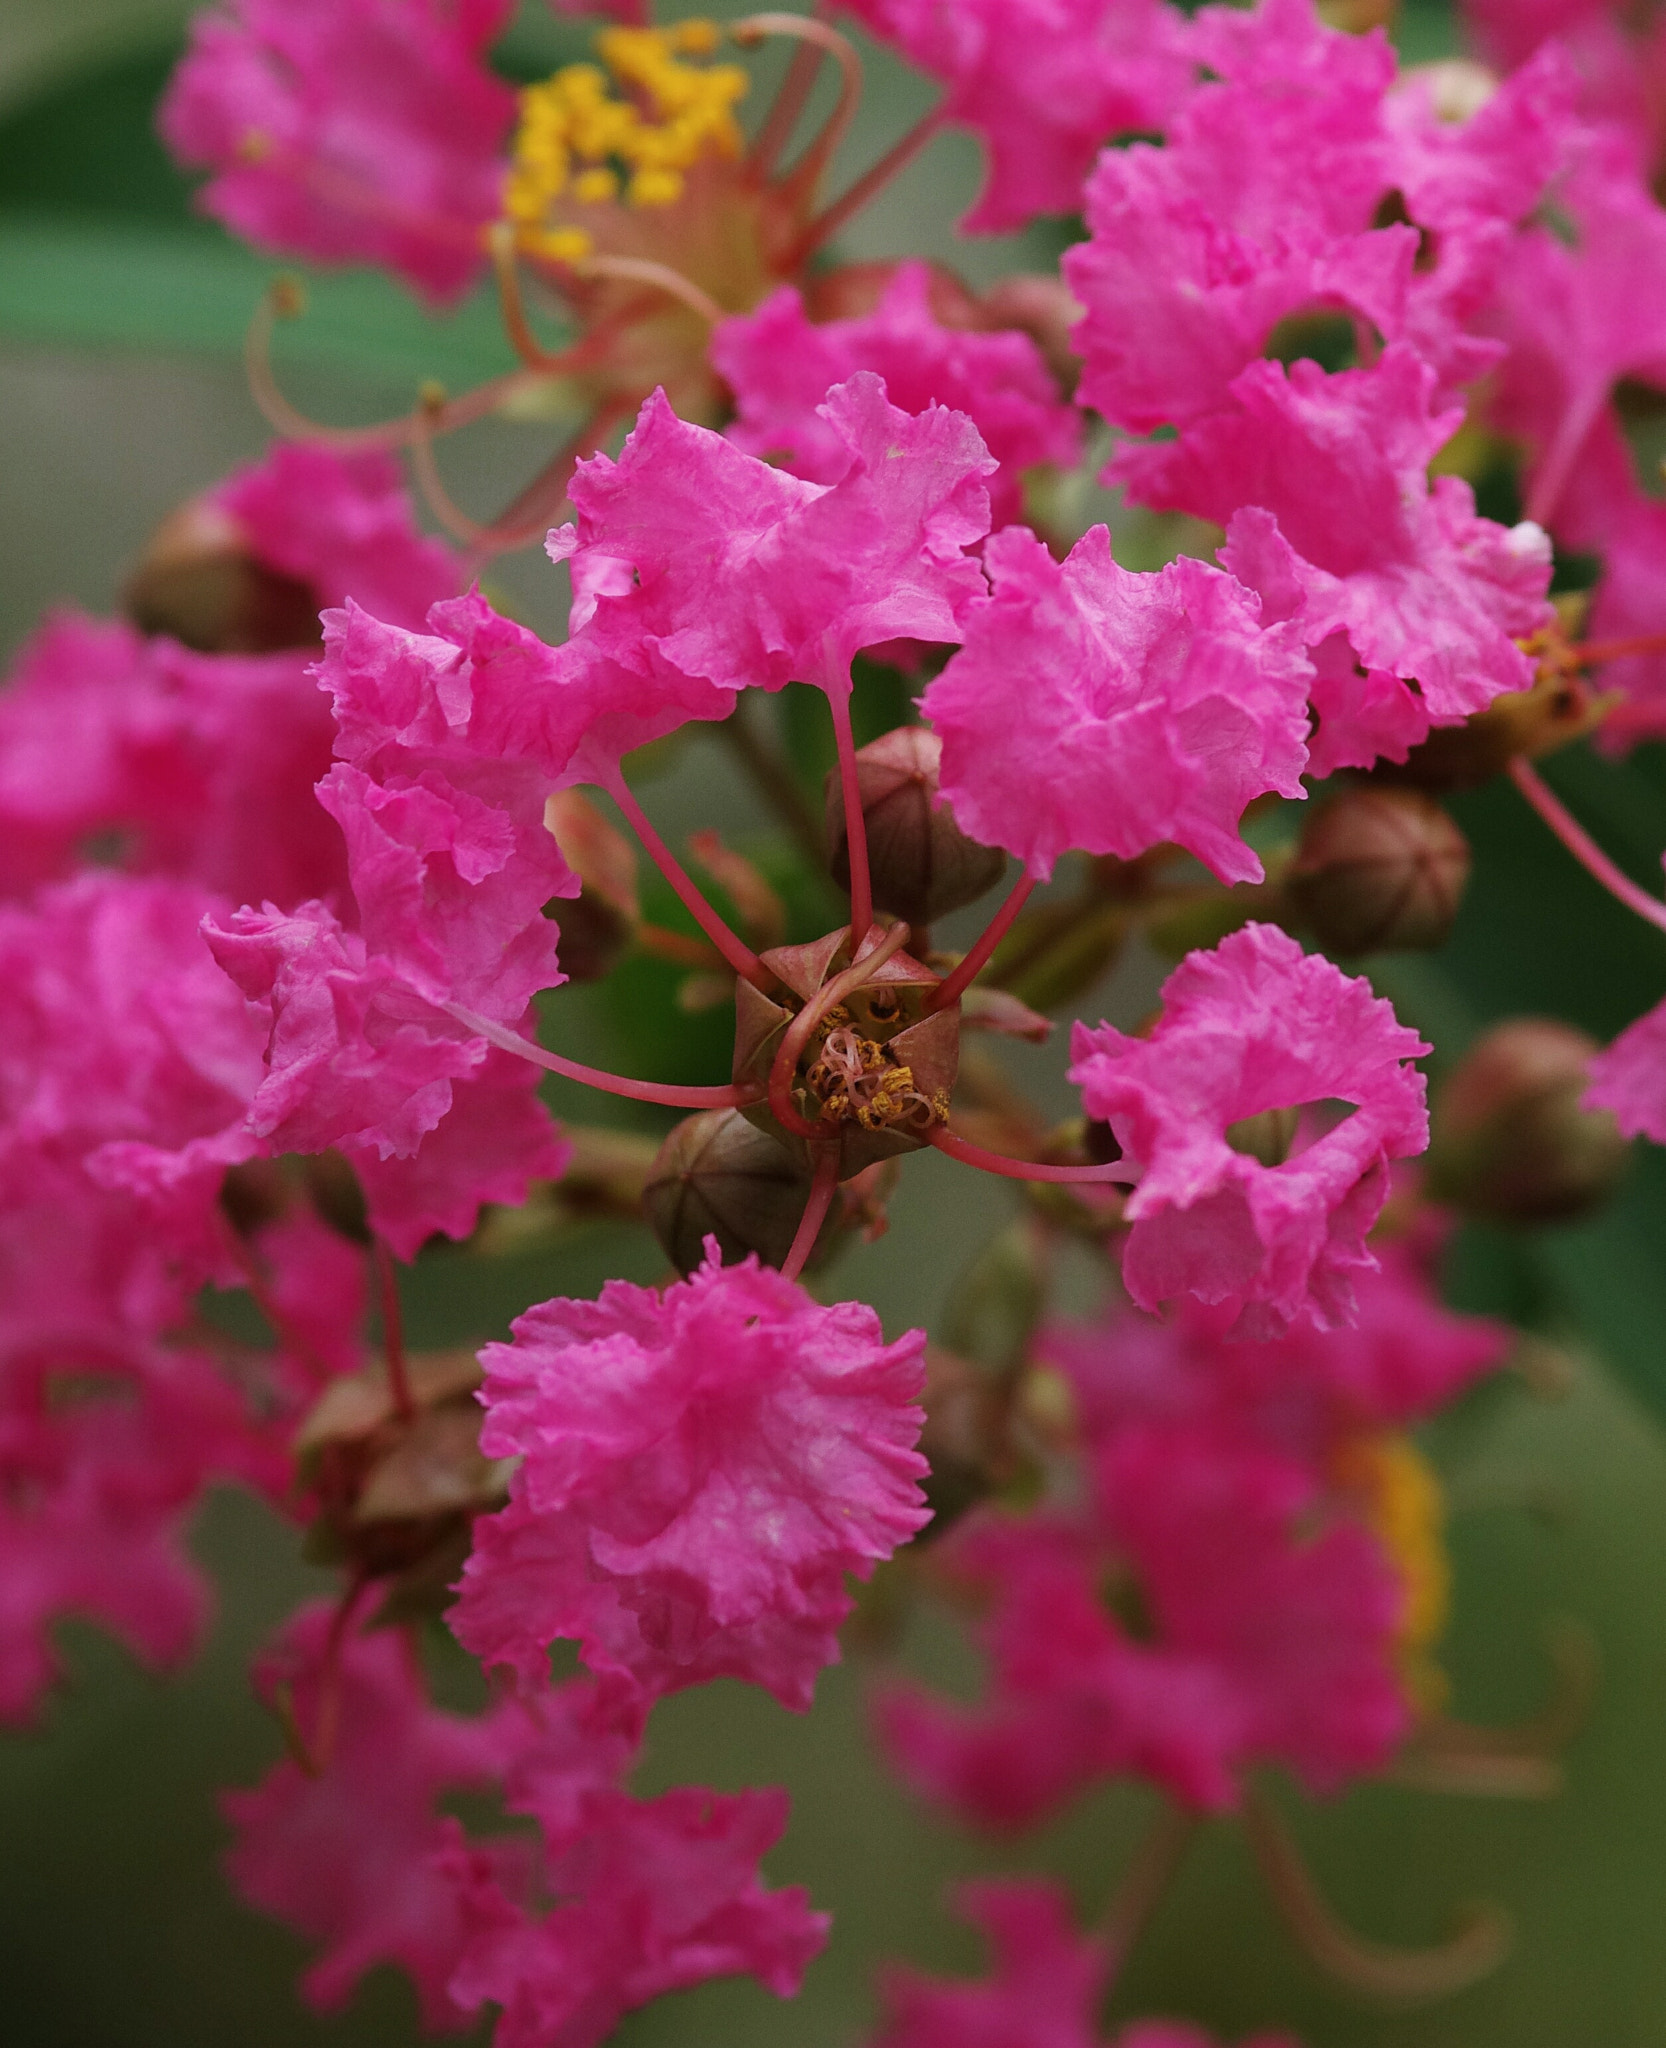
822, 1190
828, 222
1026, 1169
1582, 846
734, 949
1545, 491
956, 983
856, 829
393, 1331
597, 1077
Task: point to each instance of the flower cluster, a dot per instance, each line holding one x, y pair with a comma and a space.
293, 859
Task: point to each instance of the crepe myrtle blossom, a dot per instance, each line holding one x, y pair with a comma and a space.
1321, 484
1042, 83
199, 760
698, 1471
1238, 1638
1256, 1026
349, 131
1300, 178
1149, 708
1046, 1985
780, 367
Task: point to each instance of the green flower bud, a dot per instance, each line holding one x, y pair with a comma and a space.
922, 864
1379, 870
198, 582
719, 1176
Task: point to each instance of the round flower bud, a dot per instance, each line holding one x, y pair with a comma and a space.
198, 582
719, 1176
1511, 1139
1379, 870
922, 864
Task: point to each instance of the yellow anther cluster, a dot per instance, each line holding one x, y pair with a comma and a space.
854, 1078
633, 129
1407, 1511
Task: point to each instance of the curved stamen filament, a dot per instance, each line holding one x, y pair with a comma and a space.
1588, 653
512, 305
642, 270
823, 1187
828, 222
285, 300
753, 28
956, 983
467, 532
797, 1035
1410, 1975
1117, 1172
1582, 846
789, 103
671, 1094
734, 949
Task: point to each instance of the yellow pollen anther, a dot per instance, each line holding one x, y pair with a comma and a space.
1406, 1509
638, 126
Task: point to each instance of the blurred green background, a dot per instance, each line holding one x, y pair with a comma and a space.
120, 392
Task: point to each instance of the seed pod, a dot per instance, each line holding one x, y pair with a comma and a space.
922, 864
718, 1176
1512, 1140
198, 581
1379, 870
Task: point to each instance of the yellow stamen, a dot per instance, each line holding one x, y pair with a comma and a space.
1406, 1509
640, 125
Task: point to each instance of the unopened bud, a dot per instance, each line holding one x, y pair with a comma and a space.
719, 1176
851, 291
596, 926
922, 864
1512, 1139
199, 582
1042, 307
1379, 870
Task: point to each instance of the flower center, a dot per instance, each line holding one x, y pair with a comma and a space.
582, 140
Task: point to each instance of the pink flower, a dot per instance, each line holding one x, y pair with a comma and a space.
1333, 520
349, 131
780, 367
1095, 708
196, 765
700, 564
494, 1141
347, 1857
340, 523
699, 1470
1304, 1392
1268, 198
1249, 1639
1045, 1989
443, 811
1629, 1077
651, 1896
1581, 302
1043, 83
1256, 1025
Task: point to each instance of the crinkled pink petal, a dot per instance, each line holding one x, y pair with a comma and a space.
699, 1470
1363, 544
1095, 708
349, 131
494, 1141
342, 524
780, 367
1045, 1986
1043, 83
1629, 1077
1256, 1025
346, 1857
443, 813
652, 1896
747, 576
